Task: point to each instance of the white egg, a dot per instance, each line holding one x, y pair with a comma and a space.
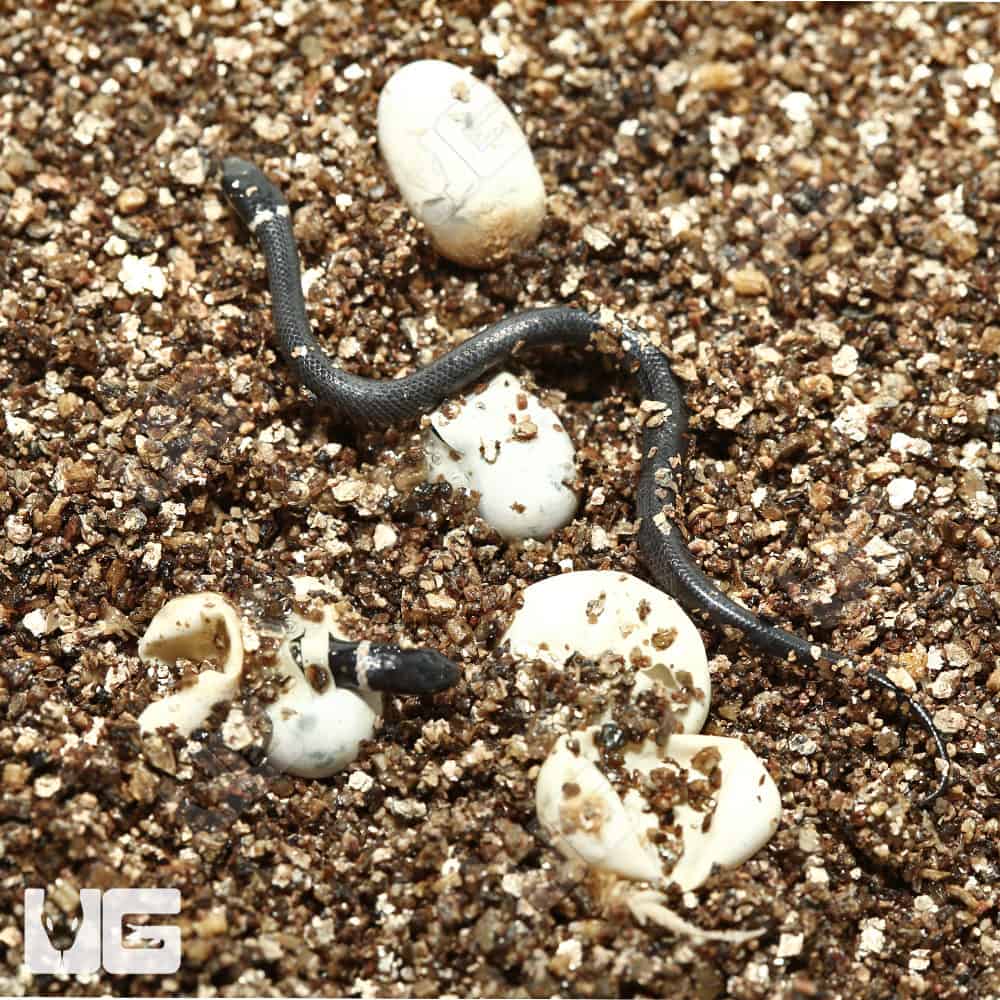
514, 452
594, 612
461, 162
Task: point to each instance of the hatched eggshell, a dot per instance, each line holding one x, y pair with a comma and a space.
195, 627
598, 611
747, 812
585, 818
316, 730
461, 162
514, 452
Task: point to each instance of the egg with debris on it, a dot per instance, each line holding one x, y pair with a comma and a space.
595, 612
198, 628
316, 727
505, 445
717, 804
461, 162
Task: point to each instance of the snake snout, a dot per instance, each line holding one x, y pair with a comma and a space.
245, 186
252, 195
440, 671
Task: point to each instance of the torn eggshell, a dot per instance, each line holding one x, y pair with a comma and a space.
198, 628
503, 444
747, 802
317, 727
594, 612
585, 818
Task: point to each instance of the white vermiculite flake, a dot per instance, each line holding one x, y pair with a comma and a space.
798, 106
36, 622
901, 491
141, 274
907, 445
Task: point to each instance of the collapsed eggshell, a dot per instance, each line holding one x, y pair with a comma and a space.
747, 813
594, 612
317, 727
514, 452
461, 162
196, 627
586, 819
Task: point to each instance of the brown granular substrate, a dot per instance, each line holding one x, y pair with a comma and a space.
801, 199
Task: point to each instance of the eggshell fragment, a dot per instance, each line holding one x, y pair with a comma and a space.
746, 815
586, 819
514, 452
196, 627
461, 162
598, 611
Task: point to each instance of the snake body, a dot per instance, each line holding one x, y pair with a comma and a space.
374, 403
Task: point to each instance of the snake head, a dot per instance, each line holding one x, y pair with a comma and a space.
421, 671
249, 192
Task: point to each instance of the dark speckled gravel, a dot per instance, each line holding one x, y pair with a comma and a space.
802, 200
